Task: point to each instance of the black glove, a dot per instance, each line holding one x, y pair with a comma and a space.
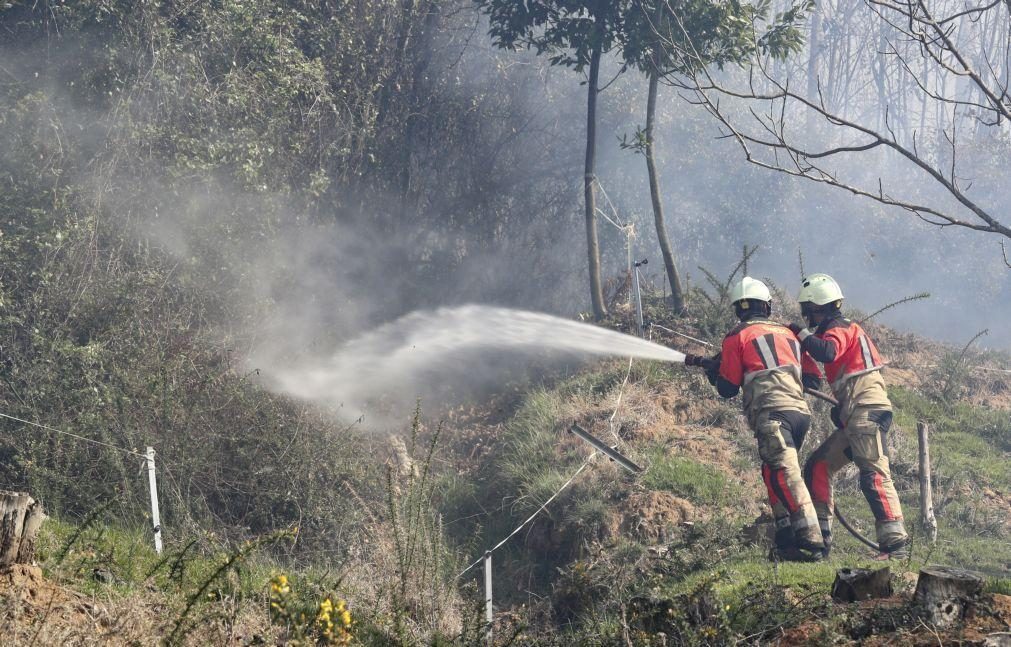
711, 365
811, 381
712, 368
834, 414
694, 360
795, 328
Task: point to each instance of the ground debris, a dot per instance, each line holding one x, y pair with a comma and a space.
853, 584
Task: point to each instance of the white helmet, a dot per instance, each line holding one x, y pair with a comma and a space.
819, 289
749, 288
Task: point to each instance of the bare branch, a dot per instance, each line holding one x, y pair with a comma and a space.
767, 135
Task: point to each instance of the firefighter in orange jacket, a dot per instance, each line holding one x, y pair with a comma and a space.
863, 416
764, 359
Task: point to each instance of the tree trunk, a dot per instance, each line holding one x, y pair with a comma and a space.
813, 55
945, 593
422, 54
855, 584
926, 492
20, 519
592, 243
677, 295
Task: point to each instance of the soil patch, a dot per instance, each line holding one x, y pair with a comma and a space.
653, 516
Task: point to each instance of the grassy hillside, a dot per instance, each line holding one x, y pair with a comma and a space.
686, 526
675, 550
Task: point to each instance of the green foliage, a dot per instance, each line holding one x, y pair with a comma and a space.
215, 119
183, 624
425, 567
998, 585
566, 30
952, 373
688, 478
315, 622
964, 438
687, 36
714, 311
530, 460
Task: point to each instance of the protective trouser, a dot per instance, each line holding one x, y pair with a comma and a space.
860, 441
780, 435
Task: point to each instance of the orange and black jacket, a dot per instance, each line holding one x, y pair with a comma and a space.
759, 346
843, 347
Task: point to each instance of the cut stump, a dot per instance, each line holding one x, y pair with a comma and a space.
854, 584
945, 592
21, 517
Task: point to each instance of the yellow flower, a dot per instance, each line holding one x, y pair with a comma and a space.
279, 585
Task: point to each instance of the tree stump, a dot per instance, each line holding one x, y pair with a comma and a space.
945, 592
854, 584
21, 517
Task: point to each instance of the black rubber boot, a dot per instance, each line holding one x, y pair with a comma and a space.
826, 539
894, 551
810, 546
796, 554
789, 549
784, 533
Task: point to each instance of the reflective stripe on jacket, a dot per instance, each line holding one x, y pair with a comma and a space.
765, 359
855, 353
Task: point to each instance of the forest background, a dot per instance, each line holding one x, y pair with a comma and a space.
192, 192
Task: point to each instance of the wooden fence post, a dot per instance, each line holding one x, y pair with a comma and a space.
926, 492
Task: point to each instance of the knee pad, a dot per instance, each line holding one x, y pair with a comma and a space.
772, 443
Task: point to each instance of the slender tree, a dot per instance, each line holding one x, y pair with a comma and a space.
673, 276
574, 34
664, 37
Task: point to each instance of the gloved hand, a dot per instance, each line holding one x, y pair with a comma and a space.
795, 328
712, 368
811, 381
711, 365
694, 360
834, 415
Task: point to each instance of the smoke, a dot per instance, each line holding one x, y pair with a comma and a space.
348, 300
716, 203
346, 311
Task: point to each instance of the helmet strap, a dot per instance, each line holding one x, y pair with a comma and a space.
815, 314
746, 309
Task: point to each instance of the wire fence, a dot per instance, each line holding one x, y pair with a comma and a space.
610, 421
147, 465
72, 435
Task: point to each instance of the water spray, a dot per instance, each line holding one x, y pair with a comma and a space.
463, 348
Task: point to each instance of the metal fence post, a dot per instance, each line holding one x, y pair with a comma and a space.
155, 516
488, 614
638, 295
